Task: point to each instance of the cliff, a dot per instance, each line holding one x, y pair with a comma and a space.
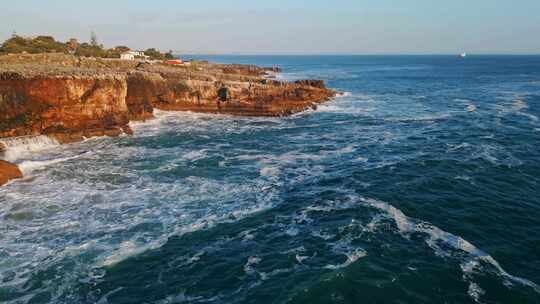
67, 107
69, 98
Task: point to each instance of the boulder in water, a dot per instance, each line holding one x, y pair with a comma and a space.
8, 171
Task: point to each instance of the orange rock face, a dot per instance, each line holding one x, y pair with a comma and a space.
65, 107
8, 172
71, 98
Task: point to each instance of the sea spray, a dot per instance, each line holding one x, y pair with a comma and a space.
15, 147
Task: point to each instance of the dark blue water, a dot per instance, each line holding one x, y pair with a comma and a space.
419, 185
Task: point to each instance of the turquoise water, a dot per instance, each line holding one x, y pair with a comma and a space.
418, 185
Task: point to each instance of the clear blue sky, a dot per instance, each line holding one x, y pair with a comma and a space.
287, 26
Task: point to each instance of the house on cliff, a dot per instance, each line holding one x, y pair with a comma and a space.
132, 55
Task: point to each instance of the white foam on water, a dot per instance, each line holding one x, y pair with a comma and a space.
437, 236
195, 155
452, 148
475, 292
17, 147
182, 297
347, 149
344, 94
100, 203
322, 235
301, 258
532, 117
353, 109
471, 108
352, 257
519, 105
331, 108
201, 123
516, 106
462, 100
126, 250
28, 166
267, 275
269, 171
463, 178
496, 155
251, 262
422, 118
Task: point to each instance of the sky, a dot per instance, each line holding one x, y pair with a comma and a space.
286, 26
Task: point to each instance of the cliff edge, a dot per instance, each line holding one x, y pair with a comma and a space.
70, 98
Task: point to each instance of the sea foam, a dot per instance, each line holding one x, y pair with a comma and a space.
19, 146
437, 236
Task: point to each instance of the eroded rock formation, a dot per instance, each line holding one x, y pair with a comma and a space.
70, 98
68, 107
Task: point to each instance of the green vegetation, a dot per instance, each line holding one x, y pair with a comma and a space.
157, 55
47, 44
40, 44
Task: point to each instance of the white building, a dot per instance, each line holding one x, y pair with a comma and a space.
131, 55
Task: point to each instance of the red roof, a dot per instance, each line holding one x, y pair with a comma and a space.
174, 61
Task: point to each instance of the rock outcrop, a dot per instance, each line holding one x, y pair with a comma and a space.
8, 171
66, 107
70, 98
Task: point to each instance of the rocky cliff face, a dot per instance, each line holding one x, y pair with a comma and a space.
65, 107
8, 172
71, 98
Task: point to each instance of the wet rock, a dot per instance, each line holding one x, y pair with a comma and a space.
8, 171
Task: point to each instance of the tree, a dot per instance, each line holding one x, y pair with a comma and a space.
157, 55
122, 48
93, 40
169, 55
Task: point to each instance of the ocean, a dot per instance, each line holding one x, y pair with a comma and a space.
419, 183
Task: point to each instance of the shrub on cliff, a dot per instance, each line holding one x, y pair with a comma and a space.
88, 50
39, 44
157, 55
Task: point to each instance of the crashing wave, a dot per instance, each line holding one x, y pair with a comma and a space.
17, 146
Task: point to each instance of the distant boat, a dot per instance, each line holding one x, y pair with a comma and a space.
463, 55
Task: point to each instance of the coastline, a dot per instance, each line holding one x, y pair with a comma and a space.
68, 99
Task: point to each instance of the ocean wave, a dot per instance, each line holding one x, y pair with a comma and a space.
425, 118
515, 106
496, 155
17, 147
251, 262
440, 240
128, 249
28, 166
352, 257
444, 244
471, 108
344, 94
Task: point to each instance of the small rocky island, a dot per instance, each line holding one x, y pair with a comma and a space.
69, 98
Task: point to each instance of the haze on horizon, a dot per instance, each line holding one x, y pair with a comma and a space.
286, 26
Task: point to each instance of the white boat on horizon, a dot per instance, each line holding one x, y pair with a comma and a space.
463, 55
